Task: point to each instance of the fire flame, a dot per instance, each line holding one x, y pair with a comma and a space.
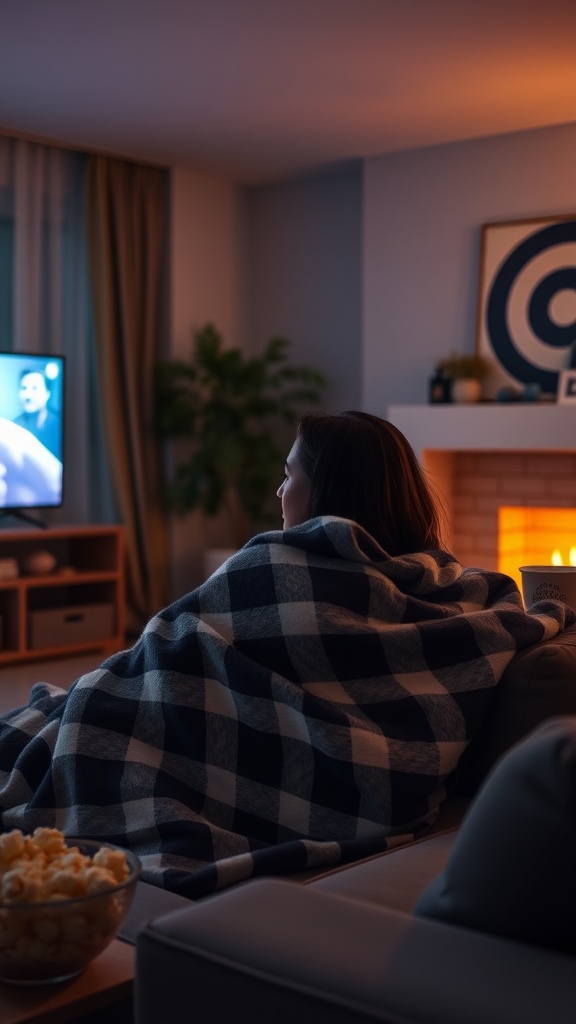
557, 557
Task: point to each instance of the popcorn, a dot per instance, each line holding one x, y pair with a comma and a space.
39, 867
42, 869
11, 845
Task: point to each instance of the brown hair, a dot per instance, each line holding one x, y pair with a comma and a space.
361, 467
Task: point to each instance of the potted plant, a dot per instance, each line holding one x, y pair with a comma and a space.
230, 409
466, 373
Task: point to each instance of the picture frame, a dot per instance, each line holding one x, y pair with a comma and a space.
526, 309
566, 387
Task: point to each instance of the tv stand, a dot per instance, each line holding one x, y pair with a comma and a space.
18, 513
77, 607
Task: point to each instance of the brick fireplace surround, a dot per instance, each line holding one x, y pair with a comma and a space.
482, 457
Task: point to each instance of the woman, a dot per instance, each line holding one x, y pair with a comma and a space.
360, 467
305, 704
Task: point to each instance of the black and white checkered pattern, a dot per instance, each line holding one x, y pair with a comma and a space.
306, 705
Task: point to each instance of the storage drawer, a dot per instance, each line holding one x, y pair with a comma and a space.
72, 624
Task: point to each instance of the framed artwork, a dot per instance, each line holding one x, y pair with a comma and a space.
566, 386
526, 317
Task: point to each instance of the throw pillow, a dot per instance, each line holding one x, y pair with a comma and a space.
512, 869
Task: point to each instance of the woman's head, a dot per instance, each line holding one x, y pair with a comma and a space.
360, 467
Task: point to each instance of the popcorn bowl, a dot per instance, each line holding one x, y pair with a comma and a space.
55, 937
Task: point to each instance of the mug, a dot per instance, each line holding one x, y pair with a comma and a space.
545, 582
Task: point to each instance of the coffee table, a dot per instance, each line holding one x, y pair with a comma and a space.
107, 980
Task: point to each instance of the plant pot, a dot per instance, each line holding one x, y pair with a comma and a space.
466, 389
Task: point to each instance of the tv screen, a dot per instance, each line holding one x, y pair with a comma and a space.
31, 430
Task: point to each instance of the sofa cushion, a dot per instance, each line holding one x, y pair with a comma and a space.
512, 867
394, 879
539, 683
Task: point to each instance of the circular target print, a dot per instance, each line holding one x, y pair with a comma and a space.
530, 310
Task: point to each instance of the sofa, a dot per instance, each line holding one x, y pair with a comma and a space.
345, 945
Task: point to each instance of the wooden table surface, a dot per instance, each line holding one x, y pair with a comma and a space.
106, 980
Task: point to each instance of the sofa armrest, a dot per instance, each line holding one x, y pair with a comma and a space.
272, 951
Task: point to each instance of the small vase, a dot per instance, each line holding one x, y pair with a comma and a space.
466, 389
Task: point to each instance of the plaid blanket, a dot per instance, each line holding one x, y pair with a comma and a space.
307, 705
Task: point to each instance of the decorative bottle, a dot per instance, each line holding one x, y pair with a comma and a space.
440, 387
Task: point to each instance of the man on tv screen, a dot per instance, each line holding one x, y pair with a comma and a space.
36, 416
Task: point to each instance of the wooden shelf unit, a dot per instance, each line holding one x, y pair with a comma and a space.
89, 577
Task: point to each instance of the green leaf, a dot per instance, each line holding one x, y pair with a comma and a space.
231, 411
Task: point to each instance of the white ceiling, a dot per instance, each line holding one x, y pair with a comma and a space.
258, 90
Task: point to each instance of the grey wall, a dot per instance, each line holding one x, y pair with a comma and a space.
304, 275
372, 270
423, 217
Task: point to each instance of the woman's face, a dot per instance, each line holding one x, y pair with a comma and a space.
294, 491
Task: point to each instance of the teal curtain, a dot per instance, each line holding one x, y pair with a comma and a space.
45, 305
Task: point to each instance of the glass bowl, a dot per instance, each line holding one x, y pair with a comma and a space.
54, 939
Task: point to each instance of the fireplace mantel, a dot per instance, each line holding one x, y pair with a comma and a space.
487, 426
482, 457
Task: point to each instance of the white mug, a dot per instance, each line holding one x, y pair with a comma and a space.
543, 582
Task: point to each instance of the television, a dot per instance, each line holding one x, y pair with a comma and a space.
31, 432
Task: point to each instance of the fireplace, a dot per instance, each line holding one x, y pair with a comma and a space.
535, 536
506, 477
513, 508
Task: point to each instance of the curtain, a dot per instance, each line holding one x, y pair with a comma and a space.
45, 304
126, 217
